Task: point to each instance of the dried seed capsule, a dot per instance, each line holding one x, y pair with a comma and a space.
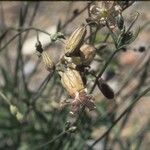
49, 64
87, 53
71, 81
105, 89
75, 41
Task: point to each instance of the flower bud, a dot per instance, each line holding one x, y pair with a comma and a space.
72, 129
13, 109
105, 89
71, 81
19, 116
75, 41
49, 64
87, 53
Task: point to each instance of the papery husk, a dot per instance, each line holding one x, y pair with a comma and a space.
71, 81
49, 64
75, 41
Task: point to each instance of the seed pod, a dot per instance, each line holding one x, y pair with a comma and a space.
71, 81
87, 53
49, 64
75, 41
105, 89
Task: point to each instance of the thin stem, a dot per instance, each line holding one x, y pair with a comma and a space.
51, 141
104, 68
42, 87
72, 18
23, 30
5, 98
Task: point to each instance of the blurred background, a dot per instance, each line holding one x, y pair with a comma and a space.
29, 90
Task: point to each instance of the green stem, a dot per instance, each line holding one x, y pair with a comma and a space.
5, 98
104, 68
51, 141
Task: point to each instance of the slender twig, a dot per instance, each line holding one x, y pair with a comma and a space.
104, 68
75, 16
5, 98
51, 141
129, 4
32, 18
22, 31
136, 92
41, 87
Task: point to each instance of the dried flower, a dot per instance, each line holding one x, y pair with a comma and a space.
105, 89
73, 83
75, 41
49, 64
105, 11
82, 99
87, 53
87, 100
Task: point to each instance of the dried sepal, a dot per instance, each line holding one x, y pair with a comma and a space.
75, 41
87, 53
49, 64
105, 89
